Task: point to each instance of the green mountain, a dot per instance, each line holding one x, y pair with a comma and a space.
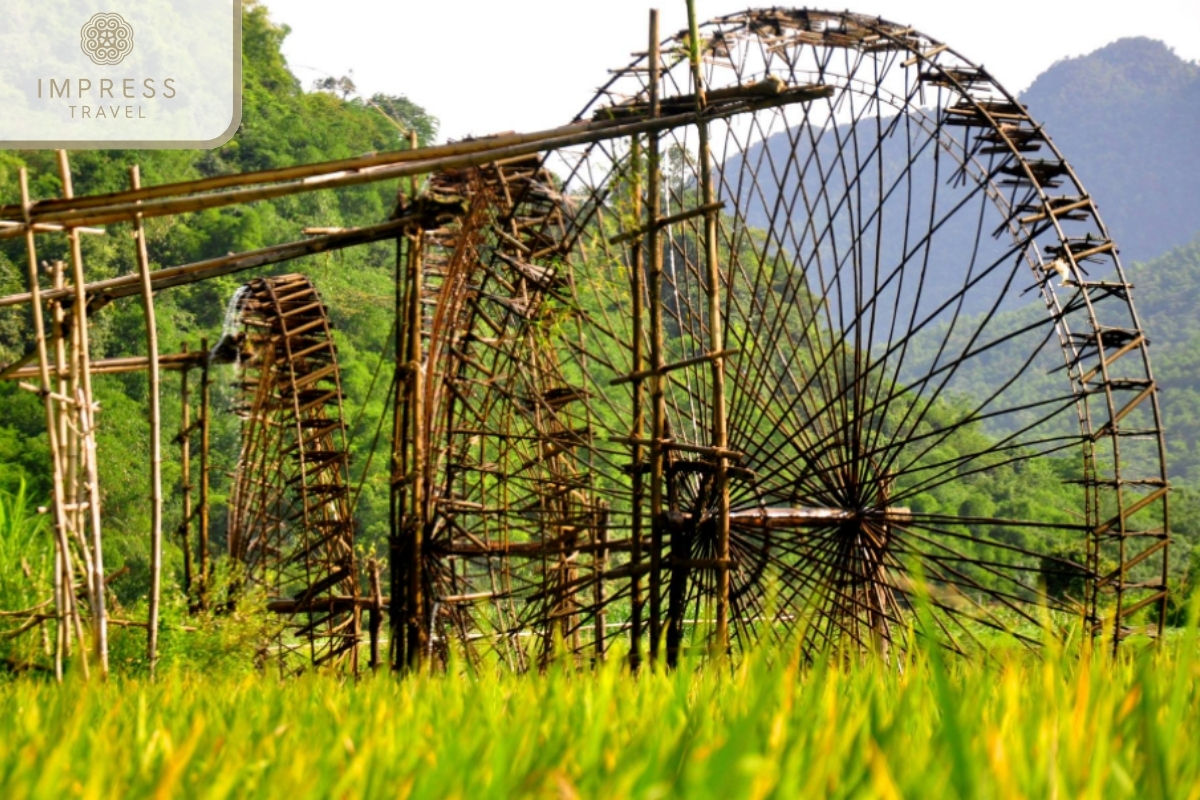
1126, 116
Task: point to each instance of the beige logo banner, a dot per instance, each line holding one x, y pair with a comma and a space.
129, 74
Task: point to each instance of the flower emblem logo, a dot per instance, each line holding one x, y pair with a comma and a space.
106, 39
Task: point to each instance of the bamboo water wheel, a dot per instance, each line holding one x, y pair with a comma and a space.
743, 359
290, 526
775, 341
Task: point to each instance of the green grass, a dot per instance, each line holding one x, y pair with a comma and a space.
1063, 725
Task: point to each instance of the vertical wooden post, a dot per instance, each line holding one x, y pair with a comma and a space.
568, 560
375, 612
205, 407
87, 432
185, 477
416, 609
720, 433
48, 402
600, 565
658, 402
412, 180
639, 396
143, 259
399, 466
409, 624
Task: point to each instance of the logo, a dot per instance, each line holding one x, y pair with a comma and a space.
106, 39
152, 73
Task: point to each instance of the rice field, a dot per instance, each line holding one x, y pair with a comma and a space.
1066, 723
1062, 725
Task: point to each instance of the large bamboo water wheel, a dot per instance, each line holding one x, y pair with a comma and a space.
717, 375
771, 342
290, 526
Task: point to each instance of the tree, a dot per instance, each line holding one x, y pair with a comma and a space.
408, 115
343, 86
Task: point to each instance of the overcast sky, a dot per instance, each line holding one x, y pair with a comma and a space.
487, 66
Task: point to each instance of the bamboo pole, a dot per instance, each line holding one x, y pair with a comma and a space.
123, 207
128, 285
143, 258
183, 188
599, 566
658, 402
185, 463
118, 366
75, 516
639, 399
63, 578
52, 428
416, 629
375, 612
720, 433
205, 408
485, 148
399, 463
87, 433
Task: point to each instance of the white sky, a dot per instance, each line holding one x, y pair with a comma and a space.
486, 66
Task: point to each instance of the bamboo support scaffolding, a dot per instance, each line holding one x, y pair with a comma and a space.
86, 434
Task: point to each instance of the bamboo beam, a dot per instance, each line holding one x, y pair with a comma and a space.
120, 207
173, 362
128, 285
11, 370
663, 222
49, 228
687, 362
